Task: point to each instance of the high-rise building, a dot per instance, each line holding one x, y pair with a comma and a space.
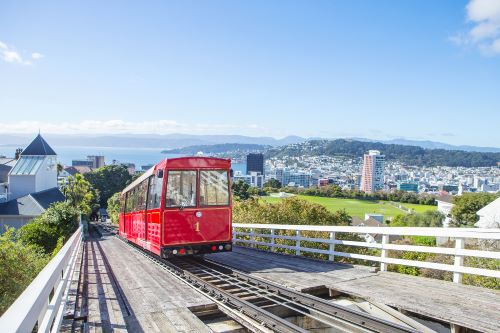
97, 161
255, 163
372, 177
92, 161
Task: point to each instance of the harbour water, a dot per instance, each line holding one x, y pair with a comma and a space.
138, 156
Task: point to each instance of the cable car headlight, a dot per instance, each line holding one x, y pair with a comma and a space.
198, 214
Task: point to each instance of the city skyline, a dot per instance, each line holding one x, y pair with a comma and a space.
414, 70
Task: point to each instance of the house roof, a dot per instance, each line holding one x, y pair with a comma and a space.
489, 215
82, 169
369, 222
48, 197
355, 221
27, 165
492, 207
5, 161
71, 170
32, 204
445, 198
38, 147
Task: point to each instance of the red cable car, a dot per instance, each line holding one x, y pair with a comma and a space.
181, 206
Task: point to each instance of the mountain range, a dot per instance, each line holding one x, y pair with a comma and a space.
174, 141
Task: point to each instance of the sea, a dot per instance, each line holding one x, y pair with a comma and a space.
138, 156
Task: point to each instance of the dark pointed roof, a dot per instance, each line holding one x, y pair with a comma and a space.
38, 147
32, 204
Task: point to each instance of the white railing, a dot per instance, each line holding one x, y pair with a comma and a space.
268, 233
35, 304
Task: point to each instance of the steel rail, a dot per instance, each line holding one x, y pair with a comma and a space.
260, 288
262, 316
296, 301
316, 303
311, 302
264, 294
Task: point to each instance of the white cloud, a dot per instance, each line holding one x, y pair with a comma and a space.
484, 17
126, 127
37, 56
11, 55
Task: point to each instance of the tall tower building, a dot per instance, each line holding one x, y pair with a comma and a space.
372, 176
255, 163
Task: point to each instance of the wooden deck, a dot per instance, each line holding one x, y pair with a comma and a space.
122, 291
466, 306
126, 292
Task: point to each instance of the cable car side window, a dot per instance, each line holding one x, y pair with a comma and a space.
214, 188
181, 189
154, 196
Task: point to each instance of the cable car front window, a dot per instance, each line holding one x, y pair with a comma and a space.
214, 188
181, 189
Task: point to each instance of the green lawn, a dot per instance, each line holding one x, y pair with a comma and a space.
358, 207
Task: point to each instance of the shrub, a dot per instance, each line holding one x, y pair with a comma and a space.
60, 220
19, 265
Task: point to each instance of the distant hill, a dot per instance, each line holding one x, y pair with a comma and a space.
218, 149
434, 145
172, 141
411, 155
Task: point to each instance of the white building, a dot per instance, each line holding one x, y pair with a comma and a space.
372, 177
445, 204
32, 185
254, 179
34, 171
489, 215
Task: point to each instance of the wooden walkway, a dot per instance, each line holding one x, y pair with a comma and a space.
466, 306
122, 291
126, 292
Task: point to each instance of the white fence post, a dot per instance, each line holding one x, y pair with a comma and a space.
297, 243
331, 248
459, 260
383, 254
459, 252
252, 237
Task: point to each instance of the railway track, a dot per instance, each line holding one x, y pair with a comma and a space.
268, 303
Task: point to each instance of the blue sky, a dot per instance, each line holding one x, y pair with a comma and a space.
427, 70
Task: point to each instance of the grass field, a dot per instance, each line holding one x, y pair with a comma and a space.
359, 207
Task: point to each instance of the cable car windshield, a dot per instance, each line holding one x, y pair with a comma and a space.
181, 189
214, 188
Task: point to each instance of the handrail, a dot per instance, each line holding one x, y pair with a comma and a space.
35, 305
268, 239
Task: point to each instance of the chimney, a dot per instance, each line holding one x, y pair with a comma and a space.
18, 153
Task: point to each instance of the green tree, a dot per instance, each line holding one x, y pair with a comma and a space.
19, 265
60, 220
108, 180
273, 183
465, 207
114, 207
425, 219
240, 190
40, 234
79, 193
